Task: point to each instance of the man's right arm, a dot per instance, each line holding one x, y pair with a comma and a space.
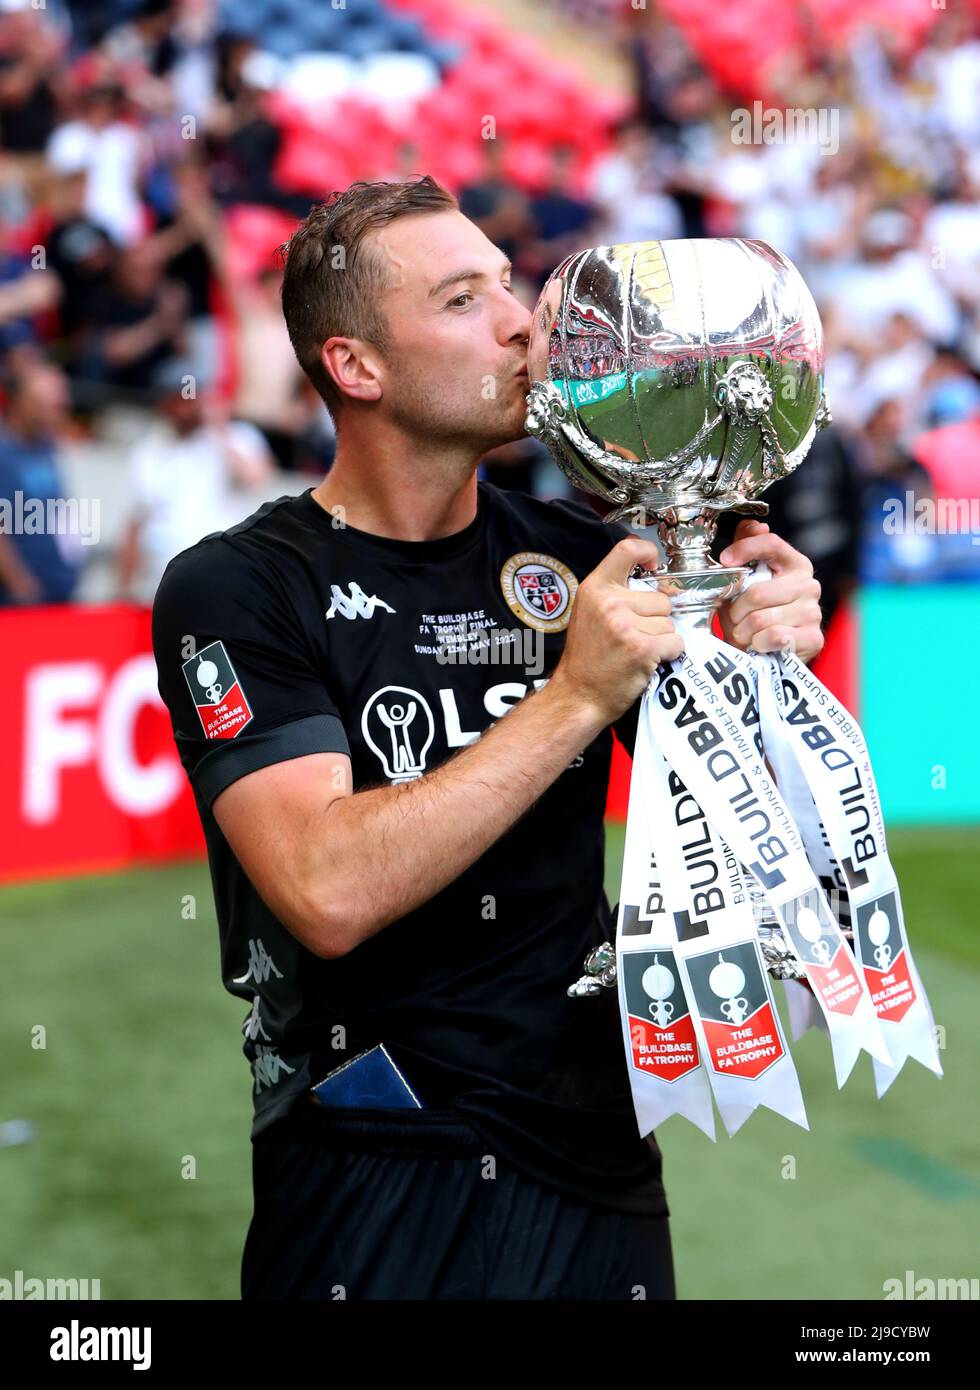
337, 866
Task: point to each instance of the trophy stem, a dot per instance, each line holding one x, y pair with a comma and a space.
695, 583
687, 535
696, 595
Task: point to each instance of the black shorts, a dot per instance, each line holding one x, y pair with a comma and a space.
363, 1206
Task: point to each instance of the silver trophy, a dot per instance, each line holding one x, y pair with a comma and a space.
677, 380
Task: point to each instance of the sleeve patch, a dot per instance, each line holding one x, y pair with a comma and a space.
217, 694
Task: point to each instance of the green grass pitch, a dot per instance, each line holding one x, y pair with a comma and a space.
141, 1073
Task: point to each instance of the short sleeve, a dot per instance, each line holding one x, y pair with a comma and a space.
235, 670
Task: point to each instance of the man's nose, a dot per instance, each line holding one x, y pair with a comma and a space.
517, 322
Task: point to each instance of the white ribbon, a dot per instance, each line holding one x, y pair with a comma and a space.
804, 1011
820, 751
663, 1054
706, 723
750, 780
720, 965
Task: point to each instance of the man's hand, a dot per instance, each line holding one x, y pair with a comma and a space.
773, 613
617, 636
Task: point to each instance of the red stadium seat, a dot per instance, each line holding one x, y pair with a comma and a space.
528, 164
253, 234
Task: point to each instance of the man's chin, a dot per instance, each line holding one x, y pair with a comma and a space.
484, 434
513, 427
511, 438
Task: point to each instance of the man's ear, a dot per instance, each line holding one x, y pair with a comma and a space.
354, 367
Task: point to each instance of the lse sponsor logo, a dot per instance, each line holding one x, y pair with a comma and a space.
398, 723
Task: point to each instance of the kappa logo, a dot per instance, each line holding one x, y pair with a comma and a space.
356, 605
217, 694
253, 1027
268, 1067
260, 964
539, 589
398, 727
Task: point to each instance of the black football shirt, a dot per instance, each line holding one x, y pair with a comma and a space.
292, 634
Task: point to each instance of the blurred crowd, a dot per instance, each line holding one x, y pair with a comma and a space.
131, 131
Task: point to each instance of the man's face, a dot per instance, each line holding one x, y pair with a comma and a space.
45, 398
456, 365
138, 271
183, 412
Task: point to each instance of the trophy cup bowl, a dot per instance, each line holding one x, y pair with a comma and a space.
677, 380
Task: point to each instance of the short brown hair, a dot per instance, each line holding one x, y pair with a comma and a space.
317, 302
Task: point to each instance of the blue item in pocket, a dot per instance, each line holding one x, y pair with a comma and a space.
370, 1080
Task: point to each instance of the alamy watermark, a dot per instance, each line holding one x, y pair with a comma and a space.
51, 516
28, 1288
793, 125
79, 1343
932, 516
928, 1289
472, 644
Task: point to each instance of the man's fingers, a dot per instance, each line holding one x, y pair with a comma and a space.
803, 612
624, 557
803, 642
749, 526
670, 643
770, 593
671, 647
777, 553
653, 627
650, 603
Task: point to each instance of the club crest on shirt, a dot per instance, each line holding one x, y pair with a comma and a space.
539, 589
218, 697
